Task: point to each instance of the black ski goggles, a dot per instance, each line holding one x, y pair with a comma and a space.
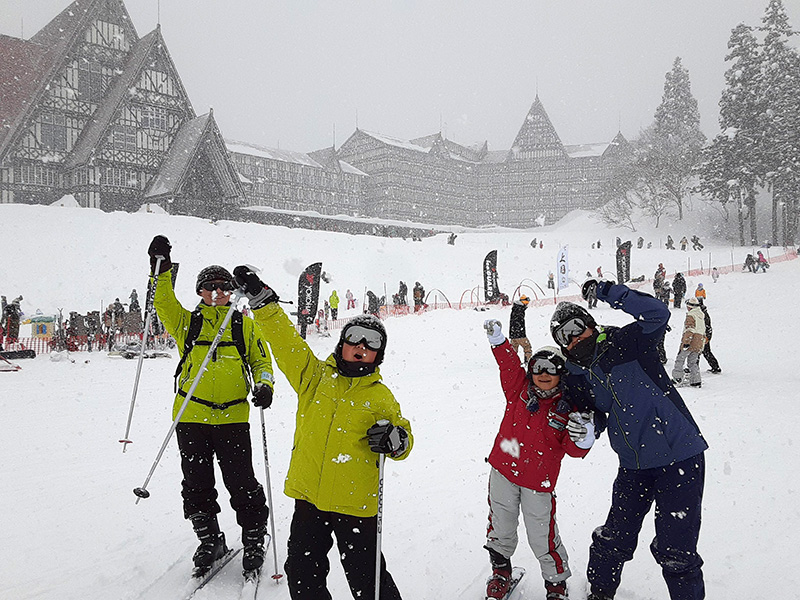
544, 365
573, 328
210, 286
357, 334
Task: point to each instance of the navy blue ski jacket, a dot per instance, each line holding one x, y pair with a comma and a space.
649, 424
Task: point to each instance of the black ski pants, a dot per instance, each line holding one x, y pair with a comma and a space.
310, 540
709, 356
198, 443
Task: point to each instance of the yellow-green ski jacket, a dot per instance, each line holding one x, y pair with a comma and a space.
332, 466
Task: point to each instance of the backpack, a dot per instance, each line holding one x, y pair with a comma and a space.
196, 324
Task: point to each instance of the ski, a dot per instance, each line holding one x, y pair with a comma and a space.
199, 582
250, 584
517, 573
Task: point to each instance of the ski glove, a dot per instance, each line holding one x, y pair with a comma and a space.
385, 438
262, 395
160, 246
494, 331
581, 430
589, 288
258, 293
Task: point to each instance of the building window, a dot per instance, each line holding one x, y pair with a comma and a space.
124, 137
53, 132
153, 117
92, 80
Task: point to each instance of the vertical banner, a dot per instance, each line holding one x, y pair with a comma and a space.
308, 296
490, 287
624, 262
562, 269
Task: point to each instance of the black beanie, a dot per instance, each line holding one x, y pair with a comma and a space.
212, 273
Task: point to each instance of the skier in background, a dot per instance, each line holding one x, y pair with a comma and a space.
670, 245
696, 245
345, 415
693, 340
678, 289
684, 243
761, 262
700, 292
402, 293
707, 353
516, 327
714, 274
419, 297
333, 301
545, 422
351, 301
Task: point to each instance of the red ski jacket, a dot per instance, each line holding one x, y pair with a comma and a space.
529, 446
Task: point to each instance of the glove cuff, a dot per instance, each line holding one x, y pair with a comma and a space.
588, 441
262, 298
496, 340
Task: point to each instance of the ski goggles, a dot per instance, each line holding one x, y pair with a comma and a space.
544, 365
210, 286
564, 333
357, 334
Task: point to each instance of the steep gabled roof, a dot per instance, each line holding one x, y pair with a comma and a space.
41, 58
104, 117
196, 136
537, 131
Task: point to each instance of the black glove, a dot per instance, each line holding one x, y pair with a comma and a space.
160, 246
589, 288
258, 293
385, 438
262, 395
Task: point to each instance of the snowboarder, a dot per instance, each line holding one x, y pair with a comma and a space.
761, 263
372, 306
599, 272
670, 245
215, 422
591, 299
12, 314
664, 292
516, 327
707, 353
693, 340
700, 292
419, 297
134, 305
696, 245
714, 274
346, 414
545, 423
678, 289
402, 293
749, 264
551, 284
333, 301
684, 243
658, 278
351, 301
620, 366
534, 243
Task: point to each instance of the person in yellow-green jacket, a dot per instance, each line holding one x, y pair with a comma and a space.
345, 415
215, 421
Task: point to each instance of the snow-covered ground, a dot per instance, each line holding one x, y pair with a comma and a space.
71, 528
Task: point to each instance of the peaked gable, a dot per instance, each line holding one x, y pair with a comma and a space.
537, 137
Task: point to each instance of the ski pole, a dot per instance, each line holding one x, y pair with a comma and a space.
381, 460
126, 440
277, 576
141, 492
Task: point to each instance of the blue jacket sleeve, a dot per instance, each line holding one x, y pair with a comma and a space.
651, 314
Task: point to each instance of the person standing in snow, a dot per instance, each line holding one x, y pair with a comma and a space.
345, 415
134, 305
12, 315
707, 353
684, 243
670, 245
664, 292
215, 422
693, 340
550, 281
402, 293
658, 278
351, 301
516, 327
678, 290
541, 424
700, 292
761, 262
696, 245
660, 447
333, 301
419, 297
714, 274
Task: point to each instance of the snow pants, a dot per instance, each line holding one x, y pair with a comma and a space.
677, 491
676, 301
709, 356
691, 359
198, 443
506, 499
526, 347
310, 540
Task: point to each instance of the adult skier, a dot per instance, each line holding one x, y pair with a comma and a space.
516, 327
333, 301
678, 290
707, 353
545, 422
659, 445
12, 314
419, 297
693, 340
402, 293
345, 415
215, 422
658, 278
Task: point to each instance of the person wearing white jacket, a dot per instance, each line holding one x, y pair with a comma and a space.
693, 341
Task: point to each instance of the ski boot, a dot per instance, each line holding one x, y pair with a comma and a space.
212, 543
253, 554
498, 584
556, 590
596, 596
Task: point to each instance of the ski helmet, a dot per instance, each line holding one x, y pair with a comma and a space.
356, 327
525, 300
566, 313
549, 359
212, 273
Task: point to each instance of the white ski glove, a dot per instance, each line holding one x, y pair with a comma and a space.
494, 331
581, 430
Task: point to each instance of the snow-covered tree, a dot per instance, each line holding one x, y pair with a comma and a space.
672, 144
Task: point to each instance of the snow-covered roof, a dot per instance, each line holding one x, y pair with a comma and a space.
586, 150
271, 153
68, 200
396, 142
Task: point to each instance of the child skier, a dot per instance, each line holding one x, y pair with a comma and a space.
345, 415
540, 425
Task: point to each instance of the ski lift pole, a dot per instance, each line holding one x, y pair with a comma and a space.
141, 492
126, 440
276, 576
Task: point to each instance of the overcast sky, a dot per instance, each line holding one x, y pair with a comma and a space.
289, 73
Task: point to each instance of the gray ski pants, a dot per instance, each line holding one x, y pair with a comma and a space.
691, 360
506, 499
